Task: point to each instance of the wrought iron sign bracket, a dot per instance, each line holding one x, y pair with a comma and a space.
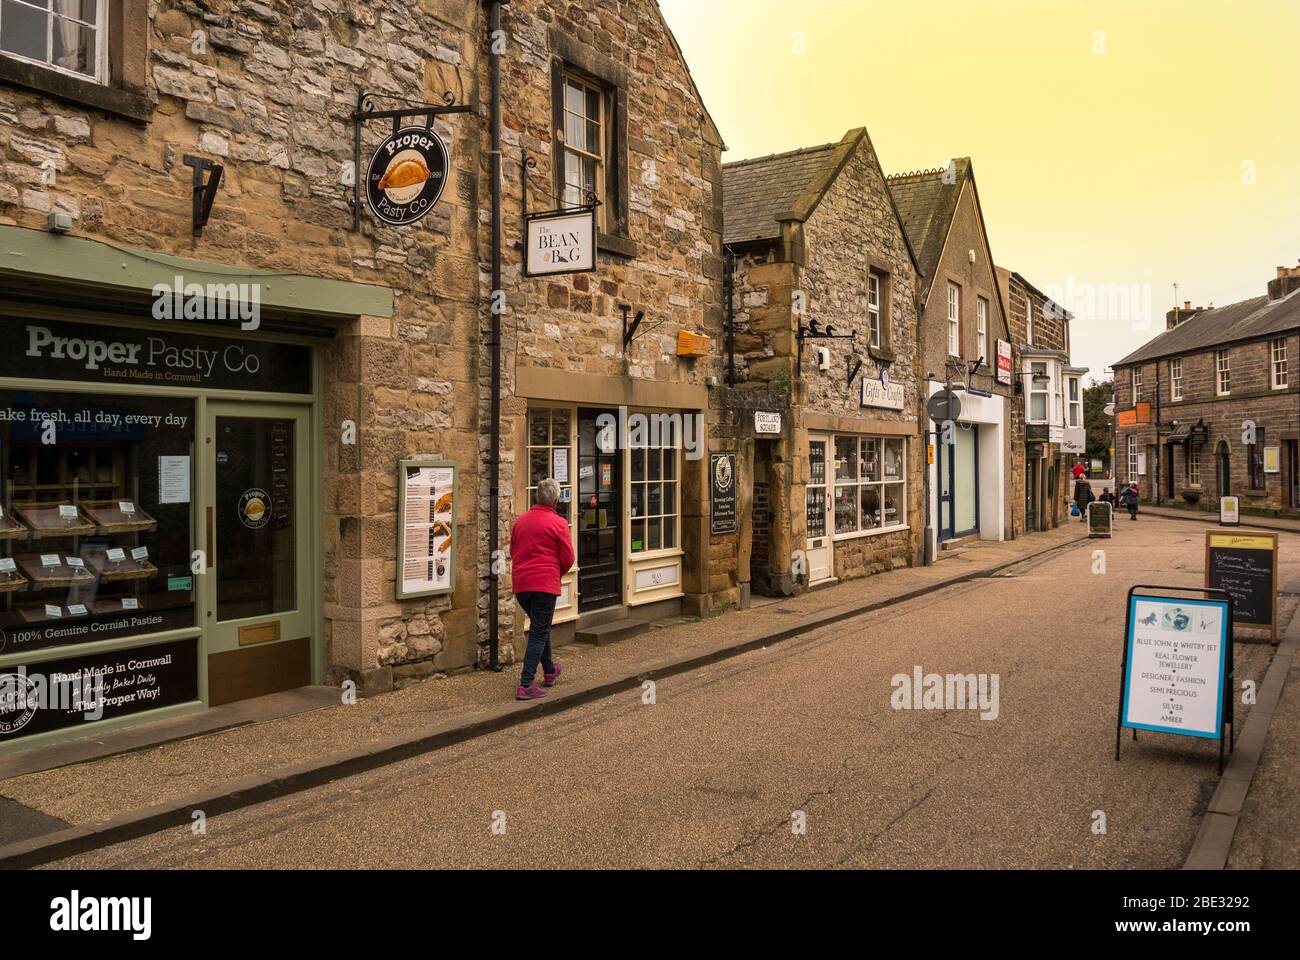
812, 330
205, 190
854, 364
366, 112
528, 164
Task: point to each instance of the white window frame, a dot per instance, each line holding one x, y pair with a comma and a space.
1037, 389
1222, 373
1137, 385
982, 329
1176, 379
100, 49
666, 447
874, 313
1029, 320
835, 482
1279, 375
1074, 405
1193, 464
954, 319
1132, 458
573, 195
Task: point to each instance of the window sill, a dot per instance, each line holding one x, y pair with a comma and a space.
84, 93
617, 245
882, 354
664, 554
861, 534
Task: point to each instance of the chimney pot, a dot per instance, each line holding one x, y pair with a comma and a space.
1187, 304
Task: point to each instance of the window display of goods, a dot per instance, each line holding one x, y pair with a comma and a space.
45, 612
11, 581
114, 564
117, 516
53, 519
11, 527
50, 570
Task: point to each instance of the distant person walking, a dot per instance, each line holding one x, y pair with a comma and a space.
1128, 499
1079, 470
541, 552
1083, 496
1108, 497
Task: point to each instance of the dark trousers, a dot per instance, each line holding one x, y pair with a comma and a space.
540, 608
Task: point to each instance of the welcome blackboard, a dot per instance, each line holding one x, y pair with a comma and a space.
1245, 566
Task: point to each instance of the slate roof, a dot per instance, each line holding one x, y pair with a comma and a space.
926, 205
756, 191
1245, 320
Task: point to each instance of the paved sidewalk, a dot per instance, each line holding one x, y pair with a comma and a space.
1212, 519
460, 707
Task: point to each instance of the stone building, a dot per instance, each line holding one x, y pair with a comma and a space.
210, 412
1211, 406
1047, 434
963, 326
825, 428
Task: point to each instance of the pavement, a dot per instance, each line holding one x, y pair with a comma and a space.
790, 754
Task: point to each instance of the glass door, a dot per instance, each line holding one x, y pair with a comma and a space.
257, 599
817, 504
599, 515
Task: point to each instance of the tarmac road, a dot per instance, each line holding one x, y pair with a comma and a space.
729, 761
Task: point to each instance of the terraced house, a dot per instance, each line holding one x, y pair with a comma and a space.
1211, 407
274, 363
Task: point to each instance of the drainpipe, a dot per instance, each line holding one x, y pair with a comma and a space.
494, 454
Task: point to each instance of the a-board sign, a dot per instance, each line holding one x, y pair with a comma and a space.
722, 493
1177, 661
1100, 519
1244, 565
1229, 512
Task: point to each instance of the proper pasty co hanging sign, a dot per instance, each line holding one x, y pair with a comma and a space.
406, 175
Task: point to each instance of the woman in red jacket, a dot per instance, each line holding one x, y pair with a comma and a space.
540, 554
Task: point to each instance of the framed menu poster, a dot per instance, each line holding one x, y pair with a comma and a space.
426, 528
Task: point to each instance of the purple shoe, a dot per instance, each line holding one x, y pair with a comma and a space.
549, 678
533, 692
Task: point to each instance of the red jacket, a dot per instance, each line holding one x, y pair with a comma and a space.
540, 551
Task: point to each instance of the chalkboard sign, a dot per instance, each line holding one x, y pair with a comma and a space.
1245, 566
1099, 519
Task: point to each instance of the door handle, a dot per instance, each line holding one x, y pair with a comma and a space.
209, 548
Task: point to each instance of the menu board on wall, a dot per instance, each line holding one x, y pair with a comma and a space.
722, 493
426, 543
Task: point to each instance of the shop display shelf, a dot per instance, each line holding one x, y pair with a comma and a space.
12, 582
113, 605
11, 528
111, 572
45, 521
35, 613
108, 516
46, 578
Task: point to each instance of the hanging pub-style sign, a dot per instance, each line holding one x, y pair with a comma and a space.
406, 175
560, 242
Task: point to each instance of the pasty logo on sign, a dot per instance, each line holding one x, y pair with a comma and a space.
255, 508
560, 243
406, 176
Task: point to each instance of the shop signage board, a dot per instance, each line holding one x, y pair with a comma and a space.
1229, 512
134, 681
1272, 459
1100, 519
426, 548
722, 493
1177, 669
406, 175
1244, 565
1004, 362
766, 422
58, 350
878, 393
560, 241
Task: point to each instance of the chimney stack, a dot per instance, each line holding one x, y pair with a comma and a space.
1286, 282
1181, 314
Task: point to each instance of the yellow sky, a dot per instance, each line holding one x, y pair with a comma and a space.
1114, 141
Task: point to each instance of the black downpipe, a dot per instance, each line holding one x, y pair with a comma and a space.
494, 453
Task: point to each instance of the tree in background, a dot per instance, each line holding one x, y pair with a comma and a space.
1096, 424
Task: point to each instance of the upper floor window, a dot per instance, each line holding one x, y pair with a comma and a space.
954, 320
584, 143
1176, 379
69, 36
1222, 375
1074, 402
982, 329
875, 313
1038, 392
1137, 384
1029, 320
1278, 366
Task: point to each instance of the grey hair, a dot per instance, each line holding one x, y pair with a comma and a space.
548, 492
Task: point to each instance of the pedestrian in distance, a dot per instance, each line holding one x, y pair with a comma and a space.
1083, 496
1108, 497
1079, 470
541, 552
1129, 500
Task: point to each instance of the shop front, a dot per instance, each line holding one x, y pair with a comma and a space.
158, 518
969, 470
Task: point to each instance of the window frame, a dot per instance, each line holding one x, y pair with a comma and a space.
876, 309
1255, 462
1193, 458
588, 86
954, 319
1175, 379
1035, 389
101, 74
1222, 373
982, 329
834, 483
1132, 452
1073, 403
1136, 374
1279, 374
673, 446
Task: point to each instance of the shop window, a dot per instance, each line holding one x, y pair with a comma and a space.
1223, 373
655, 501
68, 37
1278, 364
870, 484
96, 525
1255, 460
815, 491
550, 443
1176, 379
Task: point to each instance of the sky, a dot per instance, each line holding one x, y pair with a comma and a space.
1119, 146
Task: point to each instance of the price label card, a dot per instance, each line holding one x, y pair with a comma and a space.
53, 611
51, 560
77, 609
116, 554
2, 513
140, 553
7, 565
67, 511
126, 506
130, 603
76, 562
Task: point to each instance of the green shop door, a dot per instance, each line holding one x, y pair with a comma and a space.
256, 600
